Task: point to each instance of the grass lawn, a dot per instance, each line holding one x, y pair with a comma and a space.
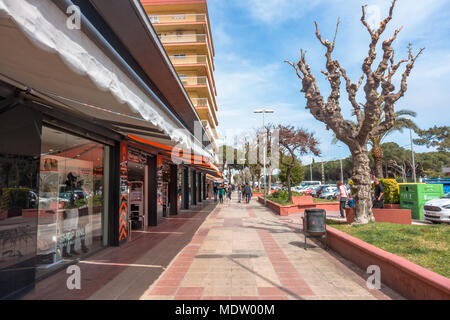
427, 246
318, 200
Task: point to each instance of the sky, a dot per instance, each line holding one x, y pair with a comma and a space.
252, 38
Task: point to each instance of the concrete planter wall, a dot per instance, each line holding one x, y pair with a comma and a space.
399, 216
280, 209
410, 280
302, 200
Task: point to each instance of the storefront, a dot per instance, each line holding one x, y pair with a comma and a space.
72, 181
56, 189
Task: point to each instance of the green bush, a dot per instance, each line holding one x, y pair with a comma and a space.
282, 196
15, 198
391, 191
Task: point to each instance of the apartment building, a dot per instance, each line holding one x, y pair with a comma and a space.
184, 29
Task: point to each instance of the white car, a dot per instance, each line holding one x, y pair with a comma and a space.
437, 210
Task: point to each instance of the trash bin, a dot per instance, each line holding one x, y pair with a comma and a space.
414, 195
315, 224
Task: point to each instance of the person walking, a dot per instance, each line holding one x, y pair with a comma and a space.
239, 191
216, 191
230, 190
378, 201
247, 192
221, 193
344, 196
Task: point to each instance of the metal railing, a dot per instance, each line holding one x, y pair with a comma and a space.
188, 59
178, 38
176, 18
194, 81
200, 102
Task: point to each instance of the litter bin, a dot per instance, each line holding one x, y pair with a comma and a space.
315, 224
414, 195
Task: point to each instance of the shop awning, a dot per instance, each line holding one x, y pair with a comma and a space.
66, 67
179, 156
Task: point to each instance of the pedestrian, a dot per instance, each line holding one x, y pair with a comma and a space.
239, 190
247, 192
230, 190
221, 193
344, 196
216, 191
378, 201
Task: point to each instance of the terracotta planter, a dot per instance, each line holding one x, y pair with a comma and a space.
302, 200
392, 206
407, 278
398, 216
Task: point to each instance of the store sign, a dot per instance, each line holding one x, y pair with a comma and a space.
123, 205
137, 157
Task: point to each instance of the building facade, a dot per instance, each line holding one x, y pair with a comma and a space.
96, 135
184, 29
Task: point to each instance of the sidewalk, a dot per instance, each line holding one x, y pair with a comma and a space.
246, 252
232, 251
126, 272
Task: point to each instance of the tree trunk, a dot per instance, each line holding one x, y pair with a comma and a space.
361, 179
288, 183
377, 154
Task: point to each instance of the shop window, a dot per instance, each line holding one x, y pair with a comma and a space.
71, 198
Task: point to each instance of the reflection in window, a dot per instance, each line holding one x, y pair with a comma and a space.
71, 190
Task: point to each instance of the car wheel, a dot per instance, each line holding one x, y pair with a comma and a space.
435, 222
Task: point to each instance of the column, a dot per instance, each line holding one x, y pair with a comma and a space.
194, 187
185, 188
200, 187
173, 189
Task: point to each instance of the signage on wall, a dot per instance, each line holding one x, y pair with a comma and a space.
123, 205
137, 157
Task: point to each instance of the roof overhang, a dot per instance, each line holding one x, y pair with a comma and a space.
67, 67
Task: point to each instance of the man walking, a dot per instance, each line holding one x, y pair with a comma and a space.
378, 202
247, 192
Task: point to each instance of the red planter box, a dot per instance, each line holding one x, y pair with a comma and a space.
302, 200
399, 216
407, 278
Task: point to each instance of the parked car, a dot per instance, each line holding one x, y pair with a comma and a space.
438, 210
321, 189
330, 193
315, 190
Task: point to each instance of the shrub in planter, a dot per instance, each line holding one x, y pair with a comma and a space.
391, 191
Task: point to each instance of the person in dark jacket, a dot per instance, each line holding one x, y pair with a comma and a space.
378, 201
247, 192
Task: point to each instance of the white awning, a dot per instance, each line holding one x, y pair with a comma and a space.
41, 53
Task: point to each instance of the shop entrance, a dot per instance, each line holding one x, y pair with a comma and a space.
138, 200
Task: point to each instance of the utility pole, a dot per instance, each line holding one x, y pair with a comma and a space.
264, 111
310, 168
412, 155
323, 174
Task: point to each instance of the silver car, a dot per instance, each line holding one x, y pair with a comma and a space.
437, 210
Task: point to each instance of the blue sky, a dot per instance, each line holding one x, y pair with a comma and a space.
252, 38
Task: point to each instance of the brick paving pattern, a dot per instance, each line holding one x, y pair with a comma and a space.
229, 251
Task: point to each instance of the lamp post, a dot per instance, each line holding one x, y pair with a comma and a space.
264, 111
342, 171
412, 156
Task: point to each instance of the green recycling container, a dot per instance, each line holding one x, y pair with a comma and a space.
414, 195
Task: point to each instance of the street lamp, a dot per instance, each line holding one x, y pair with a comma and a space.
264, 111
342, 171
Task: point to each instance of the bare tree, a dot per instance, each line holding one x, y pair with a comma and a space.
294, 142
368, 124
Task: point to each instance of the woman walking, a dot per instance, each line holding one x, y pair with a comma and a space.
343, 193
221, 193
239, 191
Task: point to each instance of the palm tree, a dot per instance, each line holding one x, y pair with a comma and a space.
377, 152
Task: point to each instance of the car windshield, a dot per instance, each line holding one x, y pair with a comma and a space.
447, 196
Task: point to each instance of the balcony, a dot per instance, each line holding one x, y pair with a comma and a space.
194, 81
182, 38
202, 103
179, 59
177, 18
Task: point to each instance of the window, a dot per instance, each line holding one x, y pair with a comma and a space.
154, 19
179, 56
71, 198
